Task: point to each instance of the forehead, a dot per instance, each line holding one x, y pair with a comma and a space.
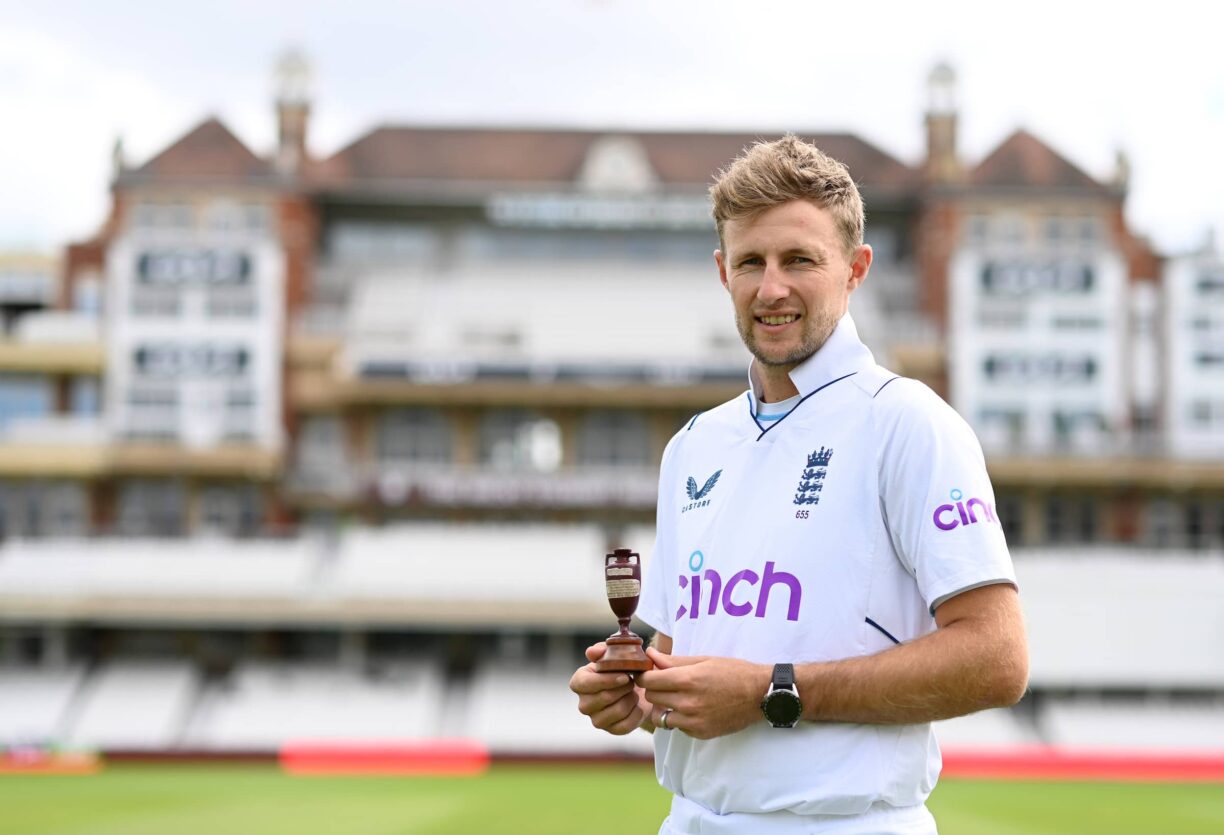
792, 225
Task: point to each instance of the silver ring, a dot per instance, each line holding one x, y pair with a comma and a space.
663, 718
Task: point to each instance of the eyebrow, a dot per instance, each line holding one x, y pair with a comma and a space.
815, 253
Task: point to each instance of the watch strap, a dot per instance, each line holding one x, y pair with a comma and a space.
783, 677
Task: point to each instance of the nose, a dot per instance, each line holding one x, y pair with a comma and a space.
773, 287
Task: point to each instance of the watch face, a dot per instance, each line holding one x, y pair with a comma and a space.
782, 708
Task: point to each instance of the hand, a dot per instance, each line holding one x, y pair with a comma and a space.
609, 699
708, 696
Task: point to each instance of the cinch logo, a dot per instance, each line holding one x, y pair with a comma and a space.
949, 516
698, 496
724, 595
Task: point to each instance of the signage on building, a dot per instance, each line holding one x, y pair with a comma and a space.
198, 360
1027, 276
585, 211
193, 266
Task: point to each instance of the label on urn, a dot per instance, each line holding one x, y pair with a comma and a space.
623, 588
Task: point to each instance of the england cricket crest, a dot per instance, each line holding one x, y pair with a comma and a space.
811, 483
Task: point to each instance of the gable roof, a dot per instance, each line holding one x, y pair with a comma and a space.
208, 151
526, 156
1024, 161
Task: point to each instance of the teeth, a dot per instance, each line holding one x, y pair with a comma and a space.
779, 320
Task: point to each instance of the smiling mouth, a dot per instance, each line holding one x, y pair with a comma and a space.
778, 320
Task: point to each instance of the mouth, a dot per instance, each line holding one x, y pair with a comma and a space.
777, 320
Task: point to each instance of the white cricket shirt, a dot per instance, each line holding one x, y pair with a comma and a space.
831, 533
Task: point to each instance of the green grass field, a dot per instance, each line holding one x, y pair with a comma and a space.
539, 800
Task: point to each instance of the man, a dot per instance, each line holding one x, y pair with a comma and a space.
829, 575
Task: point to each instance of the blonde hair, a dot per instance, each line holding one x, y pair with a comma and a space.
769, 174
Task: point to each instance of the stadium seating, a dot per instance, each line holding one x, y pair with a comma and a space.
71, 568
528, 709
1152, 724
1116, 618
262, 706
133, 705
999, 728
473, 563
33, 703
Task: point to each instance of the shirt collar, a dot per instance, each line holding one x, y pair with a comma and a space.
843, 353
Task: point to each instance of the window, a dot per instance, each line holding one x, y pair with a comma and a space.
156, 301
1009, 508
977, 230
320, 442
239, 420
153, 412
230, 509
373, 241
1162, 528
1022, 278
149, 215
1211, 282
1001, 429
1089, 229
152, 507
1070, 519
1055, 230
1076, 323
85, 396
1022, 369
43, 508
24, 396
419, 436
231, 303
614, 438
1078, 430
516, 439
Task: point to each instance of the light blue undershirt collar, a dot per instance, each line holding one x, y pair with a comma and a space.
776, 411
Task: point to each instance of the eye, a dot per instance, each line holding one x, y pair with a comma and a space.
750, 261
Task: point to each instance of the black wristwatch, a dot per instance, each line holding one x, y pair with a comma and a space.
781, 704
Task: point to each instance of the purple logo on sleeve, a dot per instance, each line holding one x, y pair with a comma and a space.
949, 516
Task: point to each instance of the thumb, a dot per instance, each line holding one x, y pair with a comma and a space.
596, 651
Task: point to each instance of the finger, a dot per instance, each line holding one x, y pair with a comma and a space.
663, 680
592, 703
616, 713
596, 651
630, 723
673, 719
586, 680
665, 661
661, 700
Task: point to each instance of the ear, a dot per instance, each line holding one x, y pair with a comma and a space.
721, 261
860, 265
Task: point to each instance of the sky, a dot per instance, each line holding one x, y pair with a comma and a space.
1088, 78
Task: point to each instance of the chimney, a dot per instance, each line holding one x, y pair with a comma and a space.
292, 111
942, 165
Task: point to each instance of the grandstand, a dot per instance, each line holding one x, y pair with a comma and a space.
338, 458
522, 600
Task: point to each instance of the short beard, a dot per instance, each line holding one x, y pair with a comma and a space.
816, 332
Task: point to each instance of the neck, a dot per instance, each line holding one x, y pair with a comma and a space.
776, 384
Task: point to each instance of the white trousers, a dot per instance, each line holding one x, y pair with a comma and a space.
688, 818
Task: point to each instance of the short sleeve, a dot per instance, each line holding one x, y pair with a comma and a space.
936, 496
657, 595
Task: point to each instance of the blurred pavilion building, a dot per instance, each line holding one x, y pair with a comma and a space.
428, 379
